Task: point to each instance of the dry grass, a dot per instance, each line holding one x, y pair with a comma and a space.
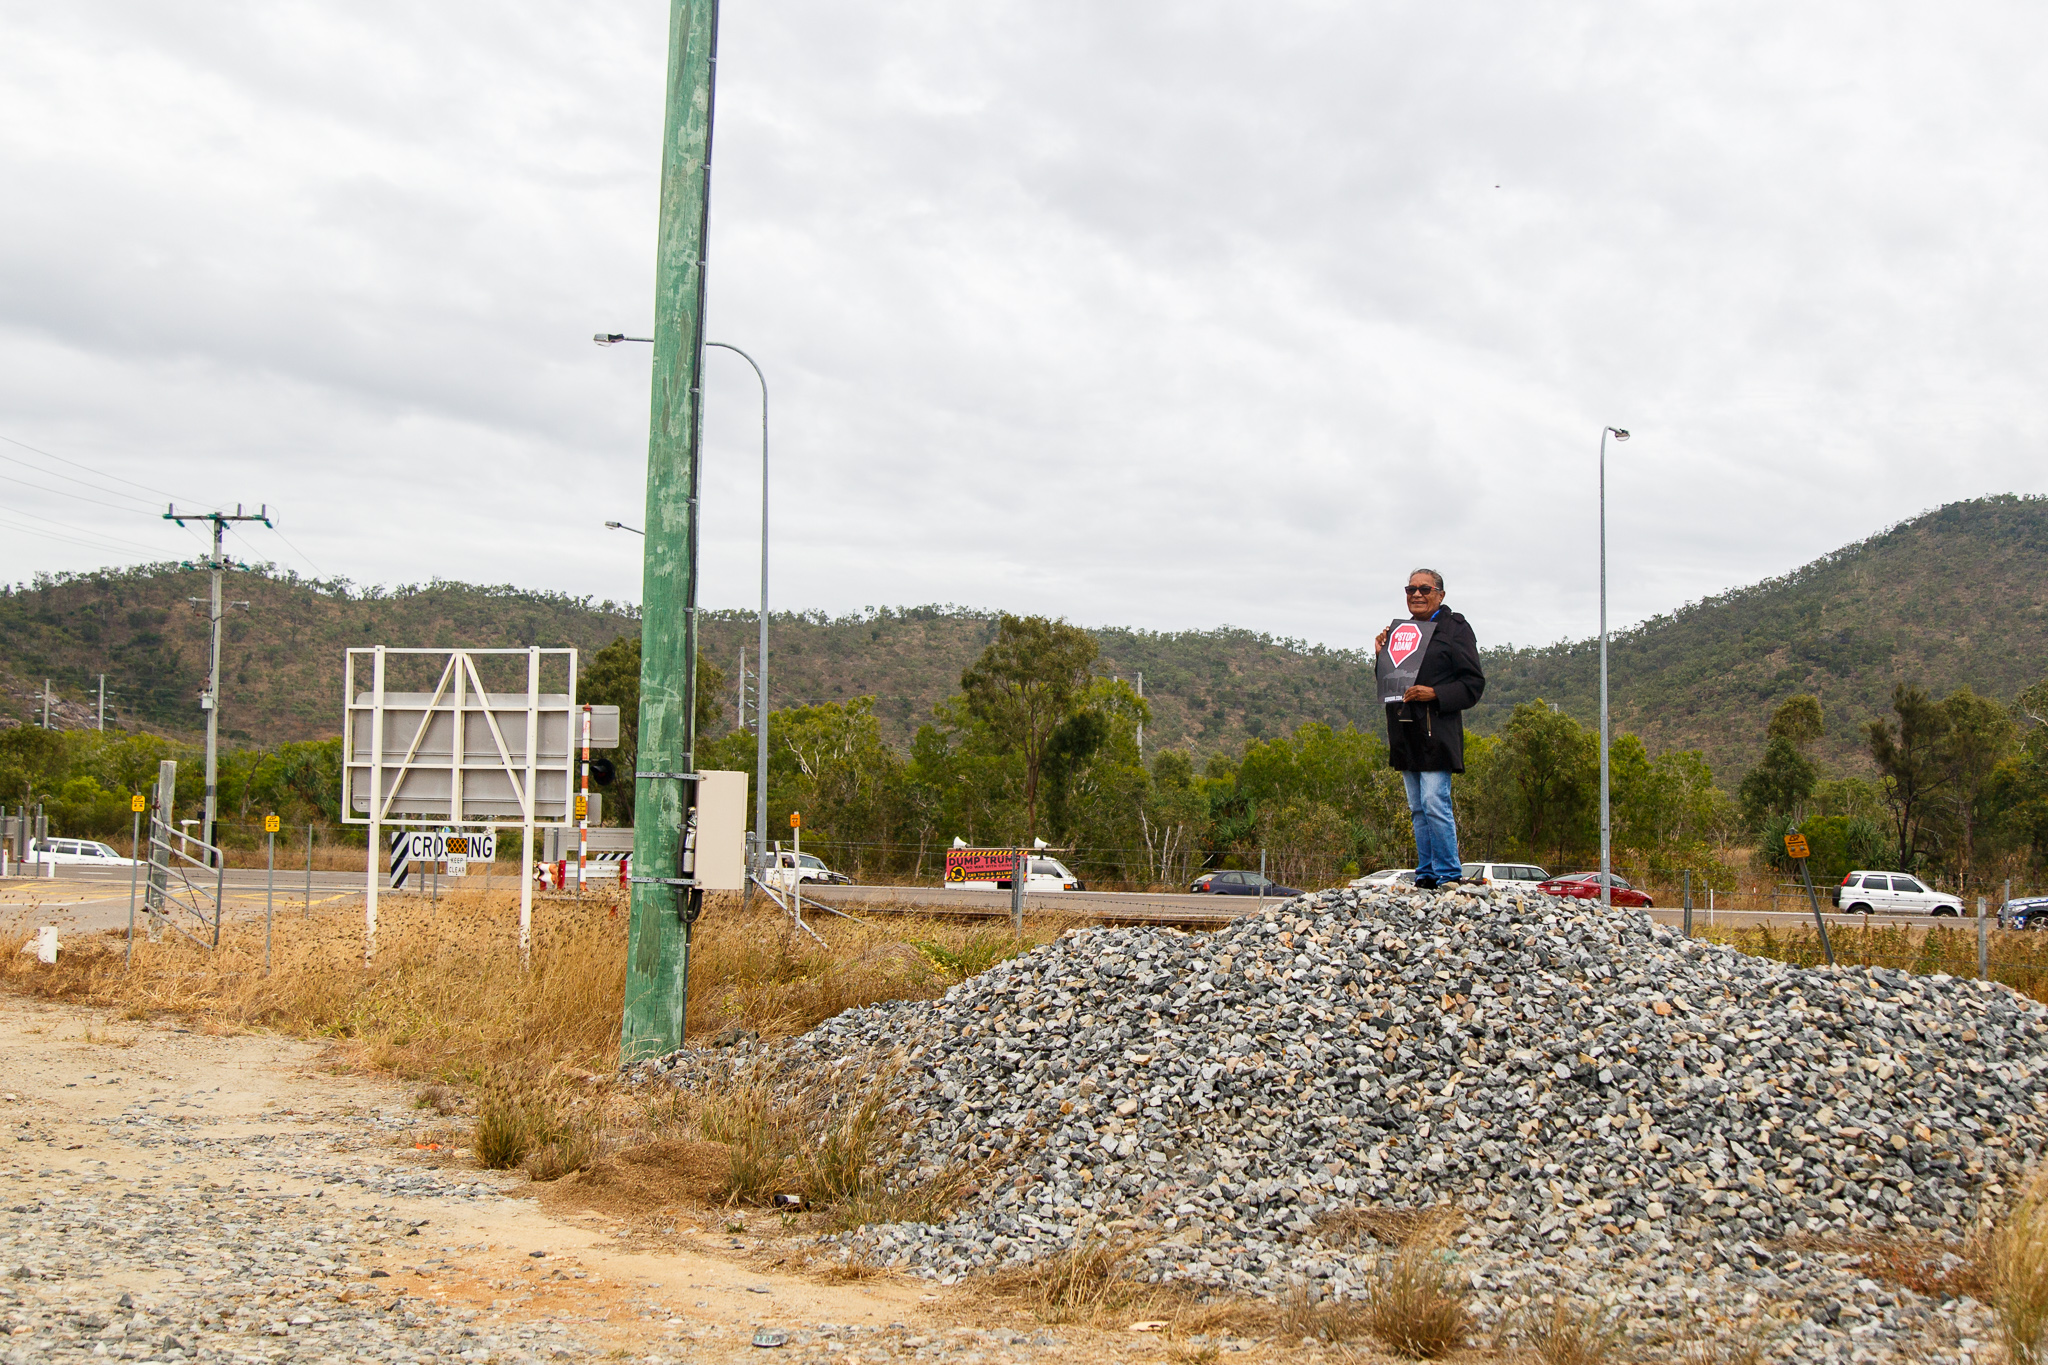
1094, 1282
1416, 1307
1926, 1265
446, 998
1575, 1333
1304, 1315
2016, 1269
1408, 1229
2017, 957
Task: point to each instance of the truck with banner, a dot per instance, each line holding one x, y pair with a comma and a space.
991, 869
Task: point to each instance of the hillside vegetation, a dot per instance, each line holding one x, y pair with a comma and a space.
1957, 596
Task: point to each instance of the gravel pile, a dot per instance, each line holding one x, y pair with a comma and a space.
1590, 1089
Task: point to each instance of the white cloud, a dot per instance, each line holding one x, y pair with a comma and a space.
1163, 317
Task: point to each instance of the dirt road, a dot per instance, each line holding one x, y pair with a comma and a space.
171, 1196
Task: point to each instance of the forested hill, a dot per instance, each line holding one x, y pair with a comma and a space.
1956, 596
1953, 597
282, 655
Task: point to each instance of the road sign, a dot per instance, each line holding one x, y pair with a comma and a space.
796, 821
1795, 845
136, 802
270, 824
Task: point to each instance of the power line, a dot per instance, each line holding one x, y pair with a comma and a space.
106, 542
67, 493
75, 464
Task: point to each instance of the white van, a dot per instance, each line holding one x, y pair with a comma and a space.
1892, 893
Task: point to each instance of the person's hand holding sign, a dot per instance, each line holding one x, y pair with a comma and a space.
1419, 693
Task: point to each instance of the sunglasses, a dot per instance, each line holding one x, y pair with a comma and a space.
1413, 591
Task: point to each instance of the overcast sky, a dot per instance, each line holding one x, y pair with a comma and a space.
1157, 315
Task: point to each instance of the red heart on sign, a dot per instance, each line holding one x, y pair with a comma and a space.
1404, 641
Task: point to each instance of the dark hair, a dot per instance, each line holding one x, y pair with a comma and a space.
1439, 578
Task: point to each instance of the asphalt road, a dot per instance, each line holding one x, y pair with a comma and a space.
1119, 907
89, 900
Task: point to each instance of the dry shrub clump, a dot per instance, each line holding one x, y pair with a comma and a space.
1575, 1334
1424, 1228
447, 998
2016, 1271
819, 1140
1095, 1281
1304, 1314
1417, 1307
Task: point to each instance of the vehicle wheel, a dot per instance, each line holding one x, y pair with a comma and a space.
2032, 922
1945, 912
1859, 908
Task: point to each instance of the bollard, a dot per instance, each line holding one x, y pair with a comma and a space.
46, 943
1983, 942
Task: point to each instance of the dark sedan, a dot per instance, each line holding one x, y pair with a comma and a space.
1242, 884
1585, 886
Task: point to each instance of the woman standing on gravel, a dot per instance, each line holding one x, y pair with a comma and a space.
1426, 728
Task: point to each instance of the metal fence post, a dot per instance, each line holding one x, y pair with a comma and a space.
1983, 942
309, 873
1017, 874
1688, 902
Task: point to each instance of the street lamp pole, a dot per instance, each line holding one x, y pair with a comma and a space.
761, 677
1606, 823
761, 674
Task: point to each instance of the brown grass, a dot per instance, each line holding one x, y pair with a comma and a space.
2017, 957
447, 1000
2016, 1268
1915, 1262
1303, 1314
1575, 1333
1420, 1229
1416, 1307
1093, 1282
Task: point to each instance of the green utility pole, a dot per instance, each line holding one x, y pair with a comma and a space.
657, 949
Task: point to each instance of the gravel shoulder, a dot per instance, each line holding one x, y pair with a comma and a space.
168, 1195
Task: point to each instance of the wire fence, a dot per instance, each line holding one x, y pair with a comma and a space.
2014, 957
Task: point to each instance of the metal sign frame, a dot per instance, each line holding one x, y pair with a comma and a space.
459, 693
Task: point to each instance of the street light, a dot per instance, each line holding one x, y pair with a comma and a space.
621, 526
1606, 867
761, 675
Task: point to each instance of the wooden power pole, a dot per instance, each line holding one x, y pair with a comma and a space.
657, 951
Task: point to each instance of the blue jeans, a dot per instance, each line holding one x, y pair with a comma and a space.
1436, 829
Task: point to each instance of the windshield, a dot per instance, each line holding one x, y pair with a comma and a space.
806, 860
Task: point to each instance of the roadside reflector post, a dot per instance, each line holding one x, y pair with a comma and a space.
796, 865
1983, 942
1796, 847
1018, 871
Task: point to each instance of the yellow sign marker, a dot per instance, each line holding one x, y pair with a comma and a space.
136, 803
796, 821
1795, 845
270, 824
582, 806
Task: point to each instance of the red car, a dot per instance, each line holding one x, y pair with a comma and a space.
1585, 886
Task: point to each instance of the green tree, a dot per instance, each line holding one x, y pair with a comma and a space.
1551, 765
1024, 686
1912, 761
1784, 780
611, 677
1175, 818
1979, 735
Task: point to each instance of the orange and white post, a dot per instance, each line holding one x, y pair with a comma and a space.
583, 807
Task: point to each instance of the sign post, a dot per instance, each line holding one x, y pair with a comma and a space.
269, 881
1796, 849
135, 804
796, 869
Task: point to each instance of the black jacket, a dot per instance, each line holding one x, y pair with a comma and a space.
1429, 736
